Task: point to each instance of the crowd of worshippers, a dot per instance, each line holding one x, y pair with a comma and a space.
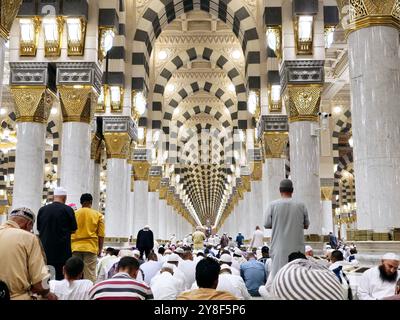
67, 262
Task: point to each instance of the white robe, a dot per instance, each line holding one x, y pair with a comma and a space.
75, 290
371, 286
164, 286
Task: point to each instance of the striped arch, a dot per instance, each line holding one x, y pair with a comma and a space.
342, 124
344, 163
159, 13
194, 87
185, 57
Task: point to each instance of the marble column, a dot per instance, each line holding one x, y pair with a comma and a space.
117, 213
375, 96
32, 106
162, 221
95, 169
154, 214
2, 58
275, 139
140, 207
304, 171
257, 203
76, 140
327, 215
303, 103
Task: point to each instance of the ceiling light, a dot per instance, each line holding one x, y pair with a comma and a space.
162, 55
351, 142
76, 28
252, 102
140, 102
54, 111
170, 87
337, 109
3, 111
236, 54
231, 87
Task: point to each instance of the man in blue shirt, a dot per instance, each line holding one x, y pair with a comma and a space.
239, 239
253, 274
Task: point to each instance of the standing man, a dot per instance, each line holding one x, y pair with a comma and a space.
87, 242
258, 239
145, 241
56, 222
287, 218
22, 263
332, 241
198, 238
224, 240
239, 240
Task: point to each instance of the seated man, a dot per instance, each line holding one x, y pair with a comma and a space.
207, 273
303, 279
253, 274
72, 287
380, 282
163, 285
123, 285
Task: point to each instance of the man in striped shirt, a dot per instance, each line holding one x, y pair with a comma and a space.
123, 285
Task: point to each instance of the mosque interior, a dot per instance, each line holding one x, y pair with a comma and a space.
189, 113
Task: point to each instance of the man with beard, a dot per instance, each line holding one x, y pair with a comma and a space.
380, 282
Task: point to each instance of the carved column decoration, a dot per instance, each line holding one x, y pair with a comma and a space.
76, 103
32, 104
8, 11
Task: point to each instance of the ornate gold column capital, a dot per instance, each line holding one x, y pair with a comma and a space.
358, 14
302, 102
256, 170
77, 102
32, 104
8, 11
326, 193
275, 144
140, 170
117, 144
246, 180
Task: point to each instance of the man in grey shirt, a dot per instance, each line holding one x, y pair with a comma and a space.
287, 218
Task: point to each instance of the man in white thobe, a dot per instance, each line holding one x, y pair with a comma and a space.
164, 286
150, 267
380, 282
287, 218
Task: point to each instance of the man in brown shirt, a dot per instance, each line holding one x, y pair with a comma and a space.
207, 273
23, 266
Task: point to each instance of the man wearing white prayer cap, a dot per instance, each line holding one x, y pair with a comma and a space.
178, 274
164, 286
380, 282
226, 259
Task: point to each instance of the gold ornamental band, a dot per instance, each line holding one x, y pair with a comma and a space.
140, 170
369, 13
275, 144
76, 103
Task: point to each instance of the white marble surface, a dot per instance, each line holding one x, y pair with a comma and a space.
116, 215
140, 206
327, 218
162, 225
29, 166
75, 160
2, 57
304, 171
3, 218
374, 64
96, 185
153, 207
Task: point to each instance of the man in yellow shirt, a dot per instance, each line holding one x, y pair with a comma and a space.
87, 241
198, 239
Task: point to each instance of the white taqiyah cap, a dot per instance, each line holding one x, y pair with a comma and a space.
168, 251
60, 191
238, 252
179, 250
168, 265
390, 256
225, 267
227, 258
308, 248
136, 252
146, 226
173, 258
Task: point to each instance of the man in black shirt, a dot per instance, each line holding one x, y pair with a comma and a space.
55, 224
145, 241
